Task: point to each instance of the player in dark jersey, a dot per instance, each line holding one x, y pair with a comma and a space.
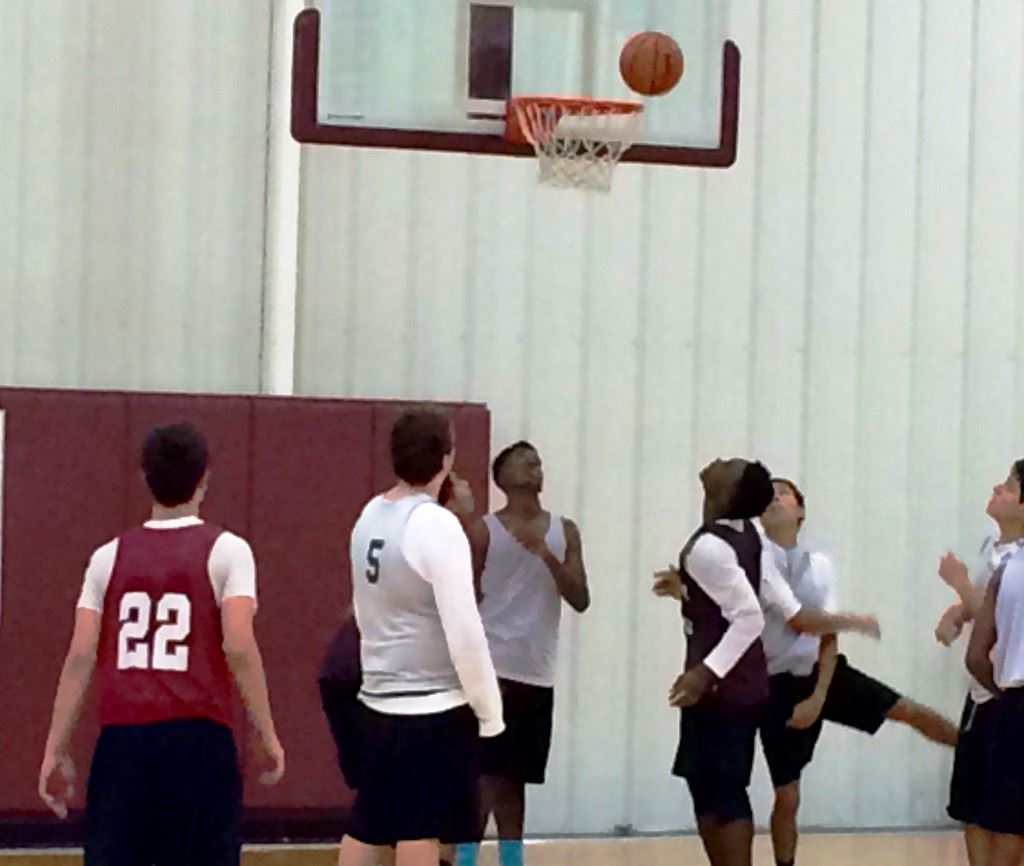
165, 619
724, 579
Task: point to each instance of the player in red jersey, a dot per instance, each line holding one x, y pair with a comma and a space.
166, 619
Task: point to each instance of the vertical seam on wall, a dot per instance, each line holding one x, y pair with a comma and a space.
963, 476
639, 427
261, 382
526, 343
758, 212
865, 232
810, 239
1016, 360
20, 222
470, 247
581, 485
87, 184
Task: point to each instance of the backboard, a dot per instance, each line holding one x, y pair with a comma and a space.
436, 74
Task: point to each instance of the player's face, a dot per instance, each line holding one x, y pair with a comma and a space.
719, 479
1004, 502
784, 509
523, 469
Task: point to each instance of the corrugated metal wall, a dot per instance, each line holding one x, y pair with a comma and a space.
845, 303
132, 168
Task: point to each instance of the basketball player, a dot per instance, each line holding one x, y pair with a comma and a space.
341, 678
166, 618
967, 788
529, 560
725, 577
809, 681
995, 658
424, 658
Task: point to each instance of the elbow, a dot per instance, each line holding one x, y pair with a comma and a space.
582, 603
80, 662
238, 651
977, 663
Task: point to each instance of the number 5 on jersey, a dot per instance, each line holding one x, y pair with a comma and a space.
373, 559
166, 650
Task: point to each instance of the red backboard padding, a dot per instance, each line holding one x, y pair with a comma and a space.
290, 474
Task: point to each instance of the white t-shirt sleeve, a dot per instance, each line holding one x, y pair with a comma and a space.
97, 577
715, 569
436, 547
232, 568
776, 593
824, 571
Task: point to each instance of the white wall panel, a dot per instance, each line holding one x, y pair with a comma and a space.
132, 177
846, 302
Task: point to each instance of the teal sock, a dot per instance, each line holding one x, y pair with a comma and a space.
510, 852
465, 854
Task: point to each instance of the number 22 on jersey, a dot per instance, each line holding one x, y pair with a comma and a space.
165, 650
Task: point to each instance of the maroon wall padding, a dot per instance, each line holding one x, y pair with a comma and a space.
311, 478
64, 494
289, 474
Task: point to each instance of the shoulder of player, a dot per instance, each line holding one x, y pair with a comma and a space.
435, 515
708, 549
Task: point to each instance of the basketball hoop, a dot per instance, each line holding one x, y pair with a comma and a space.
578, 141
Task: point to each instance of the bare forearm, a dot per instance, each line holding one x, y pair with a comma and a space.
572, 585
971, 599
810, 621
71, 689
828, 656
980, 667
247, 669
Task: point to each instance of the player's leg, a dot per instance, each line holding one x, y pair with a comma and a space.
856, 700
118, 803
927, 722
1004, 849
716, 757
787, 751
355, 853
419, 852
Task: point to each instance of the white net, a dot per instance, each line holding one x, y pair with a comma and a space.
578, 145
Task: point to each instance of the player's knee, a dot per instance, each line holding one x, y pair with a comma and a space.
904, 710
787, 800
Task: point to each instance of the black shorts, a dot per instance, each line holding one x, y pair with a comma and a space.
1001, 809
419, 778
716, 757
345, 717
970, 762
168, 793
520, 753
858, 701
854, 700
787, 750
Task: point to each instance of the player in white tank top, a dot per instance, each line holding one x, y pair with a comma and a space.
995, 658
528, 561
969, 782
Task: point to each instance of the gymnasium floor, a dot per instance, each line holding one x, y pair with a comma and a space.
826, 849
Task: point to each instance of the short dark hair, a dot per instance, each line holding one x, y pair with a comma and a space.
420, 440
507, 452
754, 493
174, 459
1018, 467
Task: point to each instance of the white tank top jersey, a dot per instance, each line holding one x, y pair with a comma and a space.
1008, 653
403, 649
521, 607
811, 576
990, 557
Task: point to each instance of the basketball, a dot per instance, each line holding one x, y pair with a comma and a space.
651, 63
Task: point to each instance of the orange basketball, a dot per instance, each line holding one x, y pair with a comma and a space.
651, 63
